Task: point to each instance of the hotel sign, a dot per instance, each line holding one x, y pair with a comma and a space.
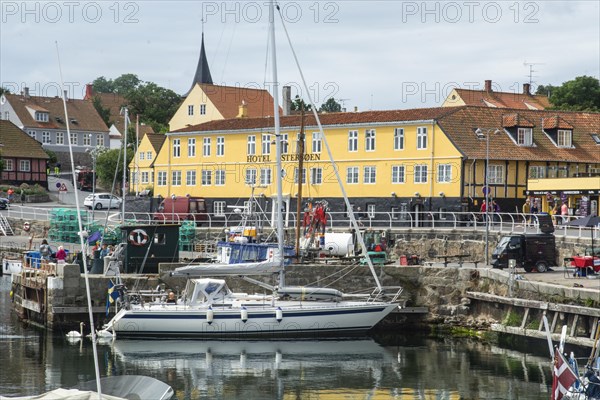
284, 157
566, 192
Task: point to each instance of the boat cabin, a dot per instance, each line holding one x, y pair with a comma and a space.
205, 290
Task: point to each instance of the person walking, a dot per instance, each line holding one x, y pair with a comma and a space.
61, 255
44, 253
526, 209
564, 212
11, 193
22, 197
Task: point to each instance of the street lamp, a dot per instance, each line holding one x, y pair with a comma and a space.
173, 198
485, 134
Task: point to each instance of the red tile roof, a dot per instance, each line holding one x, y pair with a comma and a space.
82, 111
227, 100
516, 120
556, 122
16, 143
503, 99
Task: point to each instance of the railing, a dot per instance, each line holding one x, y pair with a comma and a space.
446, 220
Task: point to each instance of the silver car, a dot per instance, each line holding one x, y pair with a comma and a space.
99, 201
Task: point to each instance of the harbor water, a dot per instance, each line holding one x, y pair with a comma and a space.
389, 366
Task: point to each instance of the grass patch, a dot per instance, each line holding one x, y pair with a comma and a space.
512, 319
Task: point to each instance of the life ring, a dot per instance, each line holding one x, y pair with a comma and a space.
138, 237
26, 227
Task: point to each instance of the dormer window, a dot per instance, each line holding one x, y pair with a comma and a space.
41, 116
525, 136
596, 138
563, 138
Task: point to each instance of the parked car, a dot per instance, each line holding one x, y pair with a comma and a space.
99, 201
3, 203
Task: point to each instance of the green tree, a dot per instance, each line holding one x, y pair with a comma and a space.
103, 112
126, 84
103, 85
330, 106
107, 162
4, 90
52, 155
155, 105
579, 94
298, 103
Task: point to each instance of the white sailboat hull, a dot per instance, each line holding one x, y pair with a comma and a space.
297, 319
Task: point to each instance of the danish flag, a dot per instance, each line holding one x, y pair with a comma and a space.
562, 378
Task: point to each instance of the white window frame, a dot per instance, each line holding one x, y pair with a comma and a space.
202, 109
370, 139
24, 165
87, 139
9, 165
317, 142
220, 146
537, 172
148, 155
398, 174
46, 137
206, 146
564, 138
250, 176
145, 176
60, 138
495, 174
422, 138
266, 144
421, 173
316, 176
176, 148
220, 177
369, 174
190, 177
352, 141
265, 176
73, 139
176, 178
206, 177
352, 175
444, 173
399, 139
161, 178
100, 139
41, 116
524, 136
303, 175
32, 134
371, 209
219, 208
251, 145
191, 147
190, 110
285, 144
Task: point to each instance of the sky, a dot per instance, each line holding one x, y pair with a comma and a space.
373, 55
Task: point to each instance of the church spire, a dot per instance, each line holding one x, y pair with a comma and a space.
202, 71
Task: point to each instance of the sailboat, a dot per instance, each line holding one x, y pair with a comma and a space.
208, 308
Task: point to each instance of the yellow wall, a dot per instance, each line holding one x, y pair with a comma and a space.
141, 166
453, 100
181, 119
235, 162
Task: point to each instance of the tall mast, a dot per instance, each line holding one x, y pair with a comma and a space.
300, 183
279, 205
126, 114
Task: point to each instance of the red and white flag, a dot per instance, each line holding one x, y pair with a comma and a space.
562, 377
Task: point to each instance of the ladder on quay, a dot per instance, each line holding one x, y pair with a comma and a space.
5, 227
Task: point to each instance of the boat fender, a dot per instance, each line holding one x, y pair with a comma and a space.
209, 315
26, 227
278, 314
244, 314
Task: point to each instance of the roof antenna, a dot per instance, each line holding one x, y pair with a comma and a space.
531, 70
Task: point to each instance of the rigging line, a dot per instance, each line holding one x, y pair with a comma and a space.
112, 191
228, 51
81, 231
333, 164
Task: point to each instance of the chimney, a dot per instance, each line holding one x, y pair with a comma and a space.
526, 88
287, 100
243, 110
488, 85
355, 108
26, 92
89, 92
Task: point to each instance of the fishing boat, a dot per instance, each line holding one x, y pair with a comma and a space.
208, 308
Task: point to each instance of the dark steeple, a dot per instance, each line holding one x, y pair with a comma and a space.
202, 71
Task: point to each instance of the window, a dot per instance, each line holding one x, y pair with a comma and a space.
87, 139
537, 172
266, 144
353, 141
73, 139
369, 174
46, 137
24, 165
220, 177
142, 155
316, 142
41, 116
191, 147
265, 176
161, 178
206, 177
524, 136
420, 174
202, 109
352, 175
251, 148
206, 143
421, 138
250, 176
316, 176
31, 133
219, 208
398, 174
177, 148
8, 165
496, 174
60, 138
191, 109
371, 210
303, 175
370, 140
145, 176
100, 139
285, 144
444, 173
596, 138
176, 178
220, 146
398, 139
6, 115
148, 155
190, 178
564, 138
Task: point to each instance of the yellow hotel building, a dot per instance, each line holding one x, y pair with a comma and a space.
393, 161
